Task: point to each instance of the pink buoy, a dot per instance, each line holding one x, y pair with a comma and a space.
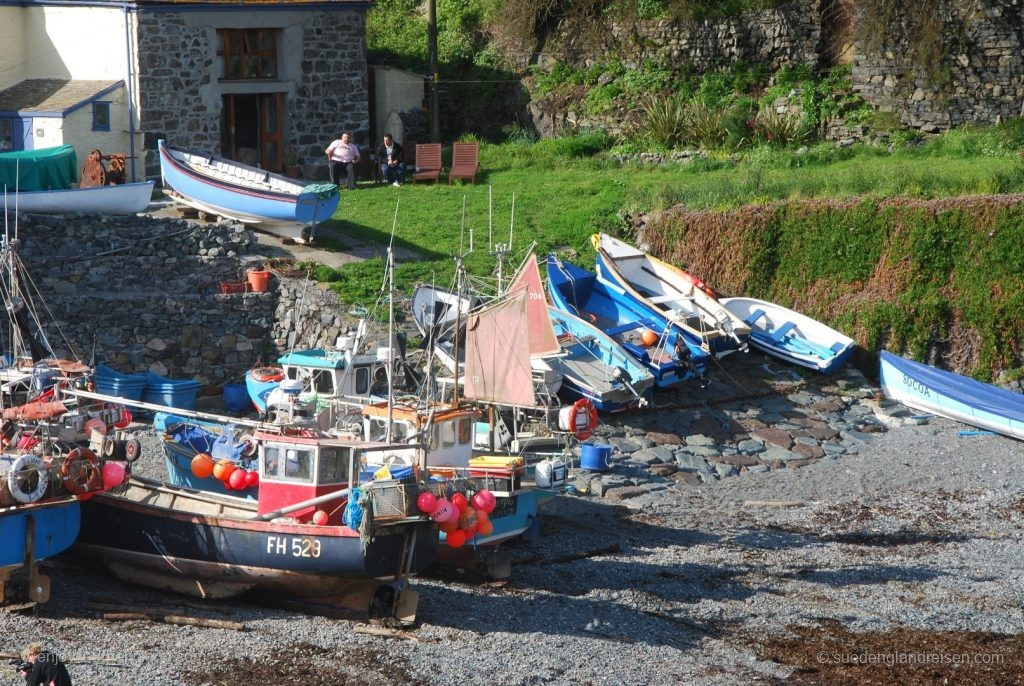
113, 474
426, 502
443, 510
320, 518
252, 478
485, 500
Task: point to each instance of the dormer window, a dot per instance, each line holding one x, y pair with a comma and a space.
249, 53
101, 116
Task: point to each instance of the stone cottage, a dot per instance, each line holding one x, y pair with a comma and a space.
264, 82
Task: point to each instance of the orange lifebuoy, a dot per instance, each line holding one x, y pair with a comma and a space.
267, 374
583, 406
80, 472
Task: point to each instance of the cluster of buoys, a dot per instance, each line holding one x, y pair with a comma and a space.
460, 518
233, 477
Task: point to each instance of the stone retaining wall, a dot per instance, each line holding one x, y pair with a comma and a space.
143, 294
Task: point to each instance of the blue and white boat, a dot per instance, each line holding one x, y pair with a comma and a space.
951, 395
593, 365
678, 295
667, 354
791, 336
250, 195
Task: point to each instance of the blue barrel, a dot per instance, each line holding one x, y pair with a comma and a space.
236, 397
594, 457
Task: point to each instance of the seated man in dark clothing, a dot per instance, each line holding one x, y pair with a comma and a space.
43, 668
392, 160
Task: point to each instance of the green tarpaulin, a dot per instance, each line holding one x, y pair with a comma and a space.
38, 170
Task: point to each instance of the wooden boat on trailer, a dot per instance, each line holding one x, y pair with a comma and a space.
268, 201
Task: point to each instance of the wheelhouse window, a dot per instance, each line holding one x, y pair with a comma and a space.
323, 381
101, 116
447, 434
362, 380
298, 464
249, 53
271, 462
333, 465
464, 430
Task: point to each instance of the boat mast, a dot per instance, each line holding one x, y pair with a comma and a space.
458, 322
391, 327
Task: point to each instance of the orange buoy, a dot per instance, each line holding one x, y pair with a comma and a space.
222, 470
202, 465
649, 337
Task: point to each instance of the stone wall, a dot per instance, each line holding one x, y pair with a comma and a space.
321, 73
980, 80
144, 294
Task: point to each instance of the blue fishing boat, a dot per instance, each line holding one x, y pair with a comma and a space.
314, 527
676, 294
791, 336
267, 201
54, 525
593, 365
647, 335
183, 438
951, 395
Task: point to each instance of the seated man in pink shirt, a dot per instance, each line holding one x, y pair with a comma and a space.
342, 154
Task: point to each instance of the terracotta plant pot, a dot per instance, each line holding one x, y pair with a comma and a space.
259, 280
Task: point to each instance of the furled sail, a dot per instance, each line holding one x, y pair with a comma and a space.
542, 336
498, 352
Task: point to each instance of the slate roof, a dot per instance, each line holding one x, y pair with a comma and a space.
50, 95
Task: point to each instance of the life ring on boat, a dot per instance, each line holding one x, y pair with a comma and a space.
27, 462
267, 374
698, 284
582, 419
80, 472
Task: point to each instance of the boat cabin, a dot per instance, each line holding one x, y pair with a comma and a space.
297, 468
445, 430
337, 374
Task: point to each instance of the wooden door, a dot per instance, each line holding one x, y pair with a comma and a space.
271, 154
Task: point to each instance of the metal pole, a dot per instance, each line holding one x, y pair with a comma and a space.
435, 117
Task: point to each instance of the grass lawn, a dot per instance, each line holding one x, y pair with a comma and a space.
564, 192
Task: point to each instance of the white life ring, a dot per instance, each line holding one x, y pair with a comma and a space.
30, 462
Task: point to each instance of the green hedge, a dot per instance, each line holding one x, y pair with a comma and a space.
916, 277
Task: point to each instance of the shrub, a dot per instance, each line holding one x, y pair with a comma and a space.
771, 126
705, 125
665, 121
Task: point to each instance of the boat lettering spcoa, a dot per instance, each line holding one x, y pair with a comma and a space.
298, 547
916, 386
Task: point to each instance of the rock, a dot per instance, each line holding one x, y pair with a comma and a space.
810, 451
688, 478
779, 454
647, 456
625, 492
663, 438
725, 470
752, 447
625, 445
855, 437
776, 437
156, 344
700, 439
757, 469
663, 469
691, 463
736, 460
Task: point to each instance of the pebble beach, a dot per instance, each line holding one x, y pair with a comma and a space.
772, 528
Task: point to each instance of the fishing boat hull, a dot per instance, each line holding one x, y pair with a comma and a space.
670, 361
267, 201
55, 526
259, 388
154, 531
676, 294
951, 395
791, 336
595, 367
124, 199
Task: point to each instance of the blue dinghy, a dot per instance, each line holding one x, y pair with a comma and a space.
55, 525
951, 395
250, 195
593, 365
791, 336
671, 358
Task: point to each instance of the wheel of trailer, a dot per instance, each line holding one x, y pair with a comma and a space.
132, 449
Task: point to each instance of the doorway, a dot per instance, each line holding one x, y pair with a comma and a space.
251, 129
